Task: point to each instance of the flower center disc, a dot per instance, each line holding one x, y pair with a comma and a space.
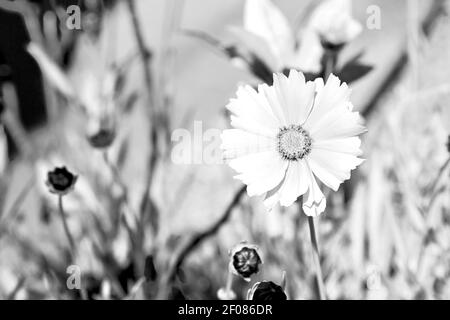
294, 142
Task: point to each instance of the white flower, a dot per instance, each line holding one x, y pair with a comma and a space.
334, 23
288, 134
268, 35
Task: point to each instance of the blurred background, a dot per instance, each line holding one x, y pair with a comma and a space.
104, 97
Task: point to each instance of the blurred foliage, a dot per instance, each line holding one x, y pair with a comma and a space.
385, 234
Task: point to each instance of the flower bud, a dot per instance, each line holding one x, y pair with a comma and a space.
101, 133
334, 23
245, 260
61, 181
102, 139
266, 291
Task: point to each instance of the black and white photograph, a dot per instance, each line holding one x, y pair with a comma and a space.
240, 150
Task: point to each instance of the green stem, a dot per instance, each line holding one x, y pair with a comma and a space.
316, 258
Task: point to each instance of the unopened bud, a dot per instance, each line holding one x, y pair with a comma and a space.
245, 260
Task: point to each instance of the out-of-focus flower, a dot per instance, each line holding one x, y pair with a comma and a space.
61, 181
334, 23
287, 134
267, 34
95, 92
266, 291
245, 260
102, 138
101, 134
224, 294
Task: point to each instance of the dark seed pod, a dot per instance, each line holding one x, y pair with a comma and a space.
61, 181
245, 260
266, 291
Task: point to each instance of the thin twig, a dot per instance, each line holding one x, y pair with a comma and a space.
153, 111
198, 238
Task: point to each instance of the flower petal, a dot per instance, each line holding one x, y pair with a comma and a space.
290, 98
338, 123
301, 96
332, 168
252, 112
344, 145
237, 143
328, 97
295, 183
275, 104
293, 186
261, 171
314, 202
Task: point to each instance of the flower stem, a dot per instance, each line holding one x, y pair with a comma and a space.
84, 294
316, 258
66, 227
229, 284
330, 63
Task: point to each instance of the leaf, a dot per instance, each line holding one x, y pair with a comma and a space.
251, 61
354, 69
260, 70
52, 71
354, 72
